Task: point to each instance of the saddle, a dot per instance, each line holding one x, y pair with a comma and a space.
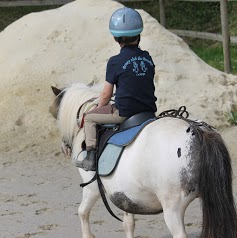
113, 138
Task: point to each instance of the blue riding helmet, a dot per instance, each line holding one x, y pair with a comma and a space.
125, 22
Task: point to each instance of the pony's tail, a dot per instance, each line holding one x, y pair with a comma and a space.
215, 187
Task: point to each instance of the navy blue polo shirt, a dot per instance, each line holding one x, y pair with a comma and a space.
132, 71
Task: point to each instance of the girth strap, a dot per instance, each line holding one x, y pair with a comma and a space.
101, 189
87, 183
102, 194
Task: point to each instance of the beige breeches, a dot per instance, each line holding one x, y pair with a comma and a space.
103, 115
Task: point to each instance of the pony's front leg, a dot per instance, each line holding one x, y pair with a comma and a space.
129, 224
90, 196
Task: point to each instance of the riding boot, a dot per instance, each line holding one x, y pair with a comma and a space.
88, 163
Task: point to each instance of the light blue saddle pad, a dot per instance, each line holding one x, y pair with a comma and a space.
109, 159
125, 137
114, 148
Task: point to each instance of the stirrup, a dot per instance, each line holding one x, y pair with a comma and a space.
89, 162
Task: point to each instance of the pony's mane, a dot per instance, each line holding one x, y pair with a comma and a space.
74, 96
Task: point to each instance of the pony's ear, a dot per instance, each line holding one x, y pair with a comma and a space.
56, 91
91, 84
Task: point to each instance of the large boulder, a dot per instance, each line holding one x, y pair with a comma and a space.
72, 44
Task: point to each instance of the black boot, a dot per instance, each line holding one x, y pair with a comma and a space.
88, 163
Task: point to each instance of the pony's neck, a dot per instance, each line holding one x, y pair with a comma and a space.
74, 97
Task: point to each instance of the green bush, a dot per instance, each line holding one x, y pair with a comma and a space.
10, 14
233, 117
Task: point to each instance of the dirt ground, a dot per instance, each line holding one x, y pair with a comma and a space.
40, 195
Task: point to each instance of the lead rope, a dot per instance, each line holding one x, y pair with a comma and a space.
81, 124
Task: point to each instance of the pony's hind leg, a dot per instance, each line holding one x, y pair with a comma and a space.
89, 198
128, 224
174, 219
174, 209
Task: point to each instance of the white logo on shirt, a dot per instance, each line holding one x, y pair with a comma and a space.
139, 66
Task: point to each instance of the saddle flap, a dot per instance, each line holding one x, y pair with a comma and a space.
109, 159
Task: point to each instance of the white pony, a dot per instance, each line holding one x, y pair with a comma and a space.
172, 162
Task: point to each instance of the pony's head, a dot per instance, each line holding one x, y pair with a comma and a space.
65, 108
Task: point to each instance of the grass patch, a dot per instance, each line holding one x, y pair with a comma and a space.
213, 55
233, 118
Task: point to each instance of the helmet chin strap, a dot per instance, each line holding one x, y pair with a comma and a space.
119, 40
139, 39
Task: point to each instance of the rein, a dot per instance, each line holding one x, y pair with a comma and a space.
80, 124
